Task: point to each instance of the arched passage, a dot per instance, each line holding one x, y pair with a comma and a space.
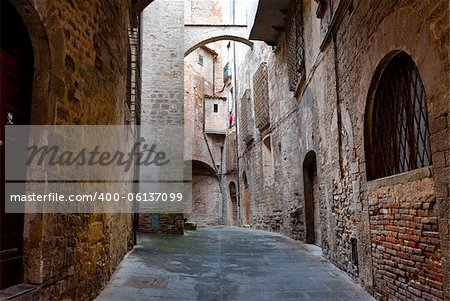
16, 79
218, 38
206, 196
312, 203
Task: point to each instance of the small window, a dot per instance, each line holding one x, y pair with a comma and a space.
200, 59
215, 108
397, 134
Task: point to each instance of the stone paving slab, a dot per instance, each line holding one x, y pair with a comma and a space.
228, 263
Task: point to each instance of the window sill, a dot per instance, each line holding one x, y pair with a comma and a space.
405, 177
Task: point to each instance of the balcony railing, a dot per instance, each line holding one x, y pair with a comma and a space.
227, 72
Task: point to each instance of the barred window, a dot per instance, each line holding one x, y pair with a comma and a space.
294, 41
261, 97
397, 134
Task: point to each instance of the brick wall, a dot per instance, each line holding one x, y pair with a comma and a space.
405, 241
327, 117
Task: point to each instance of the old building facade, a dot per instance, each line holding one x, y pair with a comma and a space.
339, 137
328, 159
70, 63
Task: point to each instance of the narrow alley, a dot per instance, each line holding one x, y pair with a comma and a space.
225, 150
228, 263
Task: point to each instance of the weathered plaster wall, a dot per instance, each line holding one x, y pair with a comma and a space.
327, 117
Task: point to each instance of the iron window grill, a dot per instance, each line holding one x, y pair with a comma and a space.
397, 123
295, 42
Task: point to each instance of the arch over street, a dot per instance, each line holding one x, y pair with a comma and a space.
200, 35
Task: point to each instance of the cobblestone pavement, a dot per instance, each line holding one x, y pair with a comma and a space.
228, 263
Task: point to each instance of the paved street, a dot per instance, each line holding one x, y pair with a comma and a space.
228, 263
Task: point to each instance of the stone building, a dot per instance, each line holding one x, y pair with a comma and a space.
66, 63
211, 30
343, 118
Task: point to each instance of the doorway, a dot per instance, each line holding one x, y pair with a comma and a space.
312, 201
16, 77
234, 206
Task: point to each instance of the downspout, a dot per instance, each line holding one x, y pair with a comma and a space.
338, 101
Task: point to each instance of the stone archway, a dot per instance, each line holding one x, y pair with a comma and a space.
200, 35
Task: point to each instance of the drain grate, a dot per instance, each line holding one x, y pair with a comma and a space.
146, 282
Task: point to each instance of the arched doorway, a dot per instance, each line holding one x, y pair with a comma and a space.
16, 78
234, 207
312, 202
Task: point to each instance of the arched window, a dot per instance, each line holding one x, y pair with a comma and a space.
397, 134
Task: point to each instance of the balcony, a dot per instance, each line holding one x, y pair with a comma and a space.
268, 17
227, 72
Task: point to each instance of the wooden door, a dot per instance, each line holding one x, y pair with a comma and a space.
234, 206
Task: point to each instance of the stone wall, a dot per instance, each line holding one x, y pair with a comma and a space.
162, 72
81, 66
156, 223
326, 116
